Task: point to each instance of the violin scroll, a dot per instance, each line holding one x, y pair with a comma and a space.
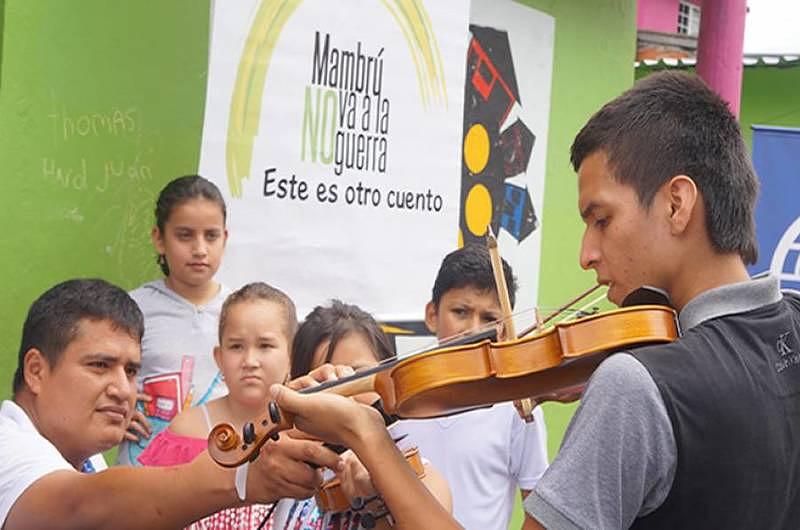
228, 448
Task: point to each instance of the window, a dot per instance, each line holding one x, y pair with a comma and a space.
688, 19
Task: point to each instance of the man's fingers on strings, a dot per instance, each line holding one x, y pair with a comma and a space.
285, 460
320, 455
291, 401
286, 397
343, 371
299, 474
325, 373
290, 478
300, 383
305, 451
322, 374
297, 434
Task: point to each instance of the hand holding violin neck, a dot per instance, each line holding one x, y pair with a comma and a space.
327, 417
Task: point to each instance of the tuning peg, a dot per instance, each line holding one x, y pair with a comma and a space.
358, 503
249, 433
274, 412
369, 520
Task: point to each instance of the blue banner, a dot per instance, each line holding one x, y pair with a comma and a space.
776, 157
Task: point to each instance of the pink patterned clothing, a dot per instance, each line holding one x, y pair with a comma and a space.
169, 449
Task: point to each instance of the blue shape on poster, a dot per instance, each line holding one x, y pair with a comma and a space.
518, 217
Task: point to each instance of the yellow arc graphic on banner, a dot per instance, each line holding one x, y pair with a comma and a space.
270, 19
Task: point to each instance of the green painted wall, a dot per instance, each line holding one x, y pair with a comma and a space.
770, 96
595, 45
100, 104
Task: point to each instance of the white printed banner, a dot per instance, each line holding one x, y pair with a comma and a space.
334, 131
354, 152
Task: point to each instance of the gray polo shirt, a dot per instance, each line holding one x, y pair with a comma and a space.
617, 461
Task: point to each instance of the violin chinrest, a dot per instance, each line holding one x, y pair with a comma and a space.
647, 295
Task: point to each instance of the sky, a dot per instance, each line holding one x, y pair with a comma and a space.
772, 26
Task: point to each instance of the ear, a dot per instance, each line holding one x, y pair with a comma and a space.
682, 197
431, 317
36, 369
158, 240
218, 357
224, 237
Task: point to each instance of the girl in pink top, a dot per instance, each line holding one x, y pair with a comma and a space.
256, 328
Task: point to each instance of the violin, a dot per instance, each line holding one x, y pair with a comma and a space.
454, 379
330, 498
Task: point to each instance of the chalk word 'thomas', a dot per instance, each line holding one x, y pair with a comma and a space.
113, 123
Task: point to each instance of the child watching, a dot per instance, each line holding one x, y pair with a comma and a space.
486, 454
181, 311
256, 327
344, 334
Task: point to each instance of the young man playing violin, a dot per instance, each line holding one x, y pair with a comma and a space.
699, 433
74, 394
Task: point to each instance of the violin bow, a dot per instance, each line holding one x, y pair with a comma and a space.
524, 406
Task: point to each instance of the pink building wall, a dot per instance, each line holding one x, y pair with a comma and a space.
659, 15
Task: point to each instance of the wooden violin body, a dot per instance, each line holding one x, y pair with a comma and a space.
450, 380
539, 366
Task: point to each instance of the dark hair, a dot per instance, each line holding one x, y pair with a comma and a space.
177, 192
261, 291
672, 124
54, 319
470, 266
334, 323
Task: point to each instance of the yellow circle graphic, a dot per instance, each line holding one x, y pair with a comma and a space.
476, 148
478, 209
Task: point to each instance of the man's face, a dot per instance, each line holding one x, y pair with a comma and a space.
463, 310
85, 401
622, 242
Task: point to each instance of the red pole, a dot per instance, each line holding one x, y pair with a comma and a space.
720, 46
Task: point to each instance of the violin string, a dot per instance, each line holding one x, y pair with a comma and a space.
551, 316
581, 310
486, 327
447, 341
571, 302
